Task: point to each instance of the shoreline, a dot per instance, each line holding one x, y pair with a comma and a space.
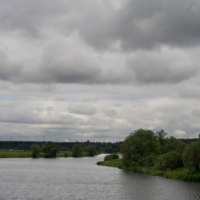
182, 173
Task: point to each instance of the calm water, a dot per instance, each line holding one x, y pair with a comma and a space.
80, 178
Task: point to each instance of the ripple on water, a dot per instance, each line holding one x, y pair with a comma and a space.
81, 178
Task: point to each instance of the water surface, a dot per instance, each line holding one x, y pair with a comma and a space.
82, 179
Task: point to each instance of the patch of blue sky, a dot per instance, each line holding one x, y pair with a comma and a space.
8, 97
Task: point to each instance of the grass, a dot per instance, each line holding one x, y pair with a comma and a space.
182, 173
28, 154
15, 154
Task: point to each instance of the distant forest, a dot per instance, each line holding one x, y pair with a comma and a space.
107, 147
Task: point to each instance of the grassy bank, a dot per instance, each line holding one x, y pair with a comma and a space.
182, 173
15, 154
28, 154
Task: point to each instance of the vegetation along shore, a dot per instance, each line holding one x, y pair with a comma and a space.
153, 153
50, 150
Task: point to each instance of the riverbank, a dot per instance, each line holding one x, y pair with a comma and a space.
28, 154
182, 173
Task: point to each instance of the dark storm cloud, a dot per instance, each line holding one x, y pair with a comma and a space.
143, 24
137, 24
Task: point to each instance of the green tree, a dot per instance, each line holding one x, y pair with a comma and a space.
50, 150
91, 150
171, 160
110, 150
111, 157
77, 151
169, 144
83, 146
35, 148
139, 144
191, 155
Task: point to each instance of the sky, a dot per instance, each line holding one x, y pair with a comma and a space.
98, 70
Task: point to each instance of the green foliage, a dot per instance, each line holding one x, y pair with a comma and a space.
65, 154
111, 157
191, 155
77, 151
139, 144
110, 150
147, 161
83, 146
182, 173
170, 161
169, 144
101, 149
50, 150
35, 148
91, 150
181, 147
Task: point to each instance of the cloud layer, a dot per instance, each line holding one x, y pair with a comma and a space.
99, 69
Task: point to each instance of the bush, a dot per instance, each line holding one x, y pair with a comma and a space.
171, 160
77, 151
65, 154
115, 156
111, 157
50, 150
147, 161
35, 150
109, 150
191, 155
91, 150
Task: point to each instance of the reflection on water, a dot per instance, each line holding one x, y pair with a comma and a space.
81, 178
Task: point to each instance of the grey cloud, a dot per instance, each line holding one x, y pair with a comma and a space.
142, 24
8, 70
153, 67
29, 16
137, 24
28, 115
82, 109
110, 113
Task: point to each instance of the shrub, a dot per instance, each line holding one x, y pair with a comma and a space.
65, 154
91, 150
111, 157
35, 150
50, 150
115, 156
147, 161
77, 151
171, 160
191, 155
109, 150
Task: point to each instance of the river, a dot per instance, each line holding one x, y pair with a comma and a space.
82, 179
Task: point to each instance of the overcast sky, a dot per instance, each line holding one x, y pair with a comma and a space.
98, 70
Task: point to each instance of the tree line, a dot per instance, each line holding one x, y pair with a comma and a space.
50, 150
103, 147
148, 148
